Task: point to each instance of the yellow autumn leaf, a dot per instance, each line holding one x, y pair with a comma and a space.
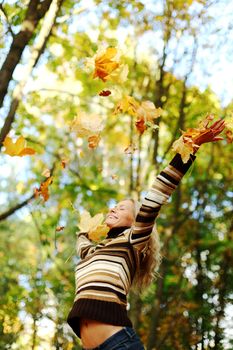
86, 125
148, 111
127, 105
88, 223
183, 148
46, 173
17, 148
107, 65
98, 233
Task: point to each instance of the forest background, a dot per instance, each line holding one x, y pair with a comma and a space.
179, 57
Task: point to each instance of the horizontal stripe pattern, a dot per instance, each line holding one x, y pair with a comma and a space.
106, 270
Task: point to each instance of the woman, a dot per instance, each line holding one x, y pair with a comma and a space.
128, 255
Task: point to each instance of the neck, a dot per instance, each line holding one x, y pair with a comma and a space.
115, 231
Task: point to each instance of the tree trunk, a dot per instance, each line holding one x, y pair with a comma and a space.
37, 50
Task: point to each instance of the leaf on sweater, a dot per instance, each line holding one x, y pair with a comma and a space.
43, 190
18, 148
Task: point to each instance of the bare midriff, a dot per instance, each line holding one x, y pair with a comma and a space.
93, 333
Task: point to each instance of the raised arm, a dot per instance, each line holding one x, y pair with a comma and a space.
163, 186
84, 246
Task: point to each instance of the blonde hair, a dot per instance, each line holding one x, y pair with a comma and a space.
150, 258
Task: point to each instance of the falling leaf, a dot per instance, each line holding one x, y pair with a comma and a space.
86, 125
93, 141
17, 148
64, 163
105, 93
127, 105
114, 176
108, 66
148, 111
104, 64
229, 136
140, 125
43, 189
130, 149
59, 228
46, 173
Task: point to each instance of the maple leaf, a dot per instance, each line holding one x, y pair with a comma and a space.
98, 233
104, 64
86, 125
127, 104
183, 148
17, 148
43, 189
108, 66
93, 225
148, 111
88, 223
140, 125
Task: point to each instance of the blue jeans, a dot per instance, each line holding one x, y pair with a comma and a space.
125, 339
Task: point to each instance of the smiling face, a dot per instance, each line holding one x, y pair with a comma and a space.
121, 215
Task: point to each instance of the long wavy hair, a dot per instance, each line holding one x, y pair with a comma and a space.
150, 258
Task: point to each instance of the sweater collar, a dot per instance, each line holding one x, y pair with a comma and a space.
115, 231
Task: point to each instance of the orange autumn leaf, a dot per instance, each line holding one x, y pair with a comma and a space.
104, 64
185, 145
140, 125
64, 163
107, 65
59, 228
229, 136
43, 189
18, 148
93, 141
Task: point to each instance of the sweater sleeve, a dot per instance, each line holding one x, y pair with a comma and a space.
84, 246
163, 186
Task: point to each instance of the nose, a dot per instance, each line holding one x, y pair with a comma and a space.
113, 210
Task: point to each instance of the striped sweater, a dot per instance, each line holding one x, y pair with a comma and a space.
105, 272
